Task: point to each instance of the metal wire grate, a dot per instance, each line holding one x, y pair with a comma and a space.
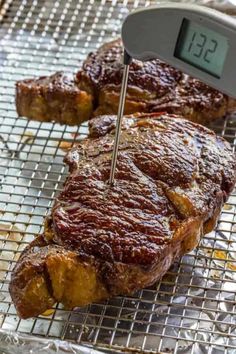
192, 310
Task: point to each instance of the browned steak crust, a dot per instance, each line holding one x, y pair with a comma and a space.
171, 181
56, 97
153, 86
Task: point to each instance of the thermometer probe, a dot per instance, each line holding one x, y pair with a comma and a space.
195, 39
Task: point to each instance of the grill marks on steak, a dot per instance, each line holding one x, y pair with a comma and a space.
172, 178
153, 86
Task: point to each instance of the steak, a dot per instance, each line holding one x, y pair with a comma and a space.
153, 86
54, 98
172, 179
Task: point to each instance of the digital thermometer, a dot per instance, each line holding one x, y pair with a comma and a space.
195, 39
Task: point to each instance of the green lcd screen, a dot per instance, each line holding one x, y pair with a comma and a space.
201, 47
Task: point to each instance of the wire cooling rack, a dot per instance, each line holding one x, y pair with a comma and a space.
192, 310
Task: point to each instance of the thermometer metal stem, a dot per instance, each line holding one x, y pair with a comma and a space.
118, 123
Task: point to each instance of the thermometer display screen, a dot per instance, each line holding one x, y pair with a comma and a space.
201, 47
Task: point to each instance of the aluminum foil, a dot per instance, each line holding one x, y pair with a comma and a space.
12, 342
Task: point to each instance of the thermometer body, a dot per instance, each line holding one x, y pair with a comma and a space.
195, 39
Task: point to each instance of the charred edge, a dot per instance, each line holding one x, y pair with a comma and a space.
48, 281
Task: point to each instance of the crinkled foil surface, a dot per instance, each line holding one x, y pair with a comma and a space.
12, 342
192, 310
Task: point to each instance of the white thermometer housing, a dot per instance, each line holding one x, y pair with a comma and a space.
195, 39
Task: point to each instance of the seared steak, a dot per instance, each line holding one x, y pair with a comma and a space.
53, 98
172, 179
153, 86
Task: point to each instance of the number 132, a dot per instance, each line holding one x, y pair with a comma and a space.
203, 51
